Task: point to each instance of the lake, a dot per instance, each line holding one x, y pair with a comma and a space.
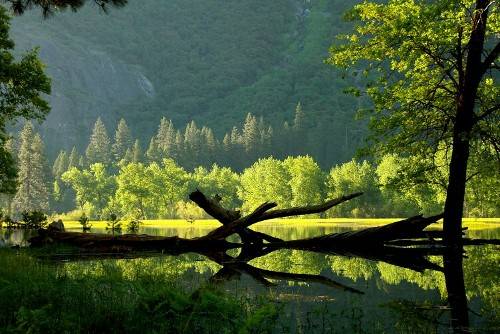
331, 293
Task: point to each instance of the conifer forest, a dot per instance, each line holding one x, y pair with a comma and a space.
249, 166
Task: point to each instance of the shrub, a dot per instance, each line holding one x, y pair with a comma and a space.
34, 220
113, 225
133, 226
10, 223
84, 221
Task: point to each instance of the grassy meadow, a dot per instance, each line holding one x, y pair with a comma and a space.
470, 223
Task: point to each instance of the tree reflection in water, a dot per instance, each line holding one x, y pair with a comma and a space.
433, 269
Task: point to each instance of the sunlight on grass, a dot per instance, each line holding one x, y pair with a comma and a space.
471, 223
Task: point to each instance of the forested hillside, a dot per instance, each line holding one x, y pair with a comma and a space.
210, 61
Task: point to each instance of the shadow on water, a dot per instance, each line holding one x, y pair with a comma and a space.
325, 292
455, 287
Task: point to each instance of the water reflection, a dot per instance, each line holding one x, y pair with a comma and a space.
15, 237
455, 286
328, 293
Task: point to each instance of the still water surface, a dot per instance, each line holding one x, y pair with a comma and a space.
393, 299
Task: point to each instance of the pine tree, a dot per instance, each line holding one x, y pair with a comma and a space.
62, 195
99, 145
32, 192
179, 148
226, 143
299, 132
123, 140
165, 138
60, 164
299, 120
266, 142
73, 159
136, 152
211, 146
235, 136
8, 174
81, 162
237, 149
127, 158
10, 146
225, 157
192, 145
152, 153
251, 137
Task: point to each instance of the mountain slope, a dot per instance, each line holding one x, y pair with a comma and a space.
212, 61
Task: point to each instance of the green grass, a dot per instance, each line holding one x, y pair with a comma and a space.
471, 223
39, 297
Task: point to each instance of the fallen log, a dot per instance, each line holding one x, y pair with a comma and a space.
411, 228
226, 217
234, 223
127, 242
262, 213
393, 243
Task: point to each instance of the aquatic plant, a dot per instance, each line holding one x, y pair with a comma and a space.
113, 224
133, 226
84, 221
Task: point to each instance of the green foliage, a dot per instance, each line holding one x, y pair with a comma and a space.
123, 141
23, 84
33, 192
265, 180
401, 195
98, 150
221, 181
93, 186
221, 63
8, 171
113, 224
352, 177
133, 226
116, 297
34, 220
189, 211
307, 181
135, 191
84, 221
140, 191
420, 68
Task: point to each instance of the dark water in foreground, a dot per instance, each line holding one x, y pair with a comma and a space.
393, 299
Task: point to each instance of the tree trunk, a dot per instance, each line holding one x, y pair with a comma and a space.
464, 122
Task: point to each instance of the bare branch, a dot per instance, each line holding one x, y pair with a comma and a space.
491, 58
228, 229
260, 214
213, 208
439, 62
307, 209
487, 112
